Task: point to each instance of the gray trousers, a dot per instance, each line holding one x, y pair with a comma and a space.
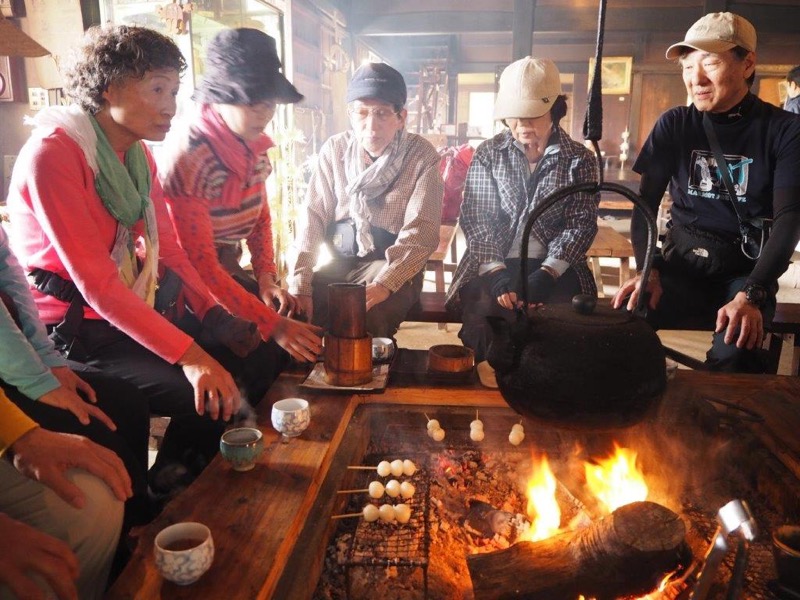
384, 319
92, 531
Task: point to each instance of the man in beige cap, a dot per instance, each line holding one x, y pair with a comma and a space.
732, 163
509, 176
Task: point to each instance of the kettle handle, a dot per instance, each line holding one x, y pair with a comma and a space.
592, 187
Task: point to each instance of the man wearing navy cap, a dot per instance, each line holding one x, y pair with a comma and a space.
374, 199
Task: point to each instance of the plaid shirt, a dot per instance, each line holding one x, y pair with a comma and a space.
412, 209
500, 193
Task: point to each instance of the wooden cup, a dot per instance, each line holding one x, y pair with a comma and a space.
348, 361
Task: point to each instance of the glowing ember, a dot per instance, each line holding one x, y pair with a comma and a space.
542, 506
616, 481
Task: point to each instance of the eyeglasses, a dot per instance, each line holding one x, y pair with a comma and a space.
380, 114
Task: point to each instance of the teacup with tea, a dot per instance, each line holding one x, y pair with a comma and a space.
184, 551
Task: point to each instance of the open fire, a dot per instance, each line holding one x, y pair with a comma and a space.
491, 497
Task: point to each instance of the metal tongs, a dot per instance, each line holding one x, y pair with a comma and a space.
734, 517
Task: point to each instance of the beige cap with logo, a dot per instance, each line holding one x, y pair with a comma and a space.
528, 87
717, 32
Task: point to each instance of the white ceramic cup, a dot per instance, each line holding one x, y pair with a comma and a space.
382, 348
184, 551
291, 416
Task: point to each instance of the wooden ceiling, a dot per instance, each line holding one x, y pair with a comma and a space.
471, 36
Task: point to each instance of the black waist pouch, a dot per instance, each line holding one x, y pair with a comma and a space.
701, 253
341, 238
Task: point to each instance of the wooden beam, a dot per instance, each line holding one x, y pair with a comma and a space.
522, 28
433, 22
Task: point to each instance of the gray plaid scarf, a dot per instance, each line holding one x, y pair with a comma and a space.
369, 182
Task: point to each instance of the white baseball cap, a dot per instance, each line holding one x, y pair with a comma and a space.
717, 32
528, 88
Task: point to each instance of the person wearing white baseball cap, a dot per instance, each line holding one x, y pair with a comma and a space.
732, 164
509, 175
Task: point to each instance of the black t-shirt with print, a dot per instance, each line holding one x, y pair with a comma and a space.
762, 149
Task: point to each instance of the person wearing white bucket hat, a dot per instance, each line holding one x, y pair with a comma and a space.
509, 175
732, 163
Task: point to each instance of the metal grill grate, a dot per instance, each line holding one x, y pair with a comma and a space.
380, 544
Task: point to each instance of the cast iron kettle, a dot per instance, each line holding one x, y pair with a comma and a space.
602, 370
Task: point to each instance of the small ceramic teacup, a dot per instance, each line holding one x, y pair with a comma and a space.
291, 416
184, 552
382, 349
242, 447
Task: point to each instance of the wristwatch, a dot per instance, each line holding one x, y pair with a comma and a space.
755, 294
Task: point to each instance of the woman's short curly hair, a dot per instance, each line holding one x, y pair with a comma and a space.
113, 54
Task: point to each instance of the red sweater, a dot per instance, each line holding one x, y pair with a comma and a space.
59, 223
203, 217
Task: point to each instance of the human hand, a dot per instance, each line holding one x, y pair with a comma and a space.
741, 315
632, 288
301, 340
211, 382
305, 308
239, 335
376, 293
45, 456
498, 282
287, 304
35, 553
541, 284
70, 380
66, 399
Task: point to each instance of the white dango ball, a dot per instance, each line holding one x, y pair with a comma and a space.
409, 468
371, 513
393, 488
438, 435
384, 468
397, 467
403, 513
516, 437
518, 427
387, 513
407, 489
476, 424
433, 424
375, 489
476, 435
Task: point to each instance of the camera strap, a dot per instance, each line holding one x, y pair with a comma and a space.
725, 173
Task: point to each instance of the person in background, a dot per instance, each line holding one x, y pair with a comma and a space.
375, 199
508, 177
792, 103
90, 227
65, 396
719, 264
60, 510
215, 192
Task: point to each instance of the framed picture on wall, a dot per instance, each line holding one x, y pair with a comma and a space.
616, 74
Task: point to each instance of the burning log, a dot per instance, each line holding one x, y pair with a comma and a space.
626, 553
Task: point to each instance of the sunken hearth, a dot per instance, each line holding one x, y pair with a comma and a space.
478, 497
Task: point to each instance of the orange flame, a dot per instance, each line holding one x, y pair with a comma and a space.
617, 480
542, 508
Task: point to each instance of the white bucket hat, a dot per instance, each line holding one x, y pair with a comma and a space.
717, 32
528, 88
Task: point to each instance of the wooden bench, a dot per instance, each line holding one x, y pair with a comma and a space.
609, 243
436, 262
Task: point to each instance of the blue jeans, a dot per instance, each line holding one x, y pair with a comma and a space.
690, 303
